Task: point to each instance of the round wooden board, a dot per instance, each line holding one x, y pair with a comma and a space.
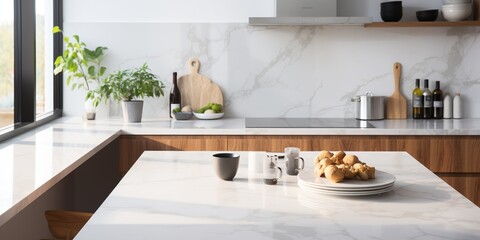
198, 90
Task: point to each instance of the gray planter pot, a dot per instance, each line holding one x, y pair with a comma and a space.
132, 110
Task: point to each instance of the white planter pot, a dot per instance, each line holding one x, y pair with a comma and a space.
89, 113
132, 110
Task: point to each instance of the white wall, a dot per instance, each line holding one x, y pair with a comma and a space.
168, 11
272, 71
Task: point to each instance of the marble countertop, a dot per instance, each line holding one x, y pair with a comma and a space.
176, 195
236, 126
33, 162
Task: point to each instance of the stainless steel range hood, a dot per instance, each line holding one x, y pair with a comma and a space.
272, 21
307, 12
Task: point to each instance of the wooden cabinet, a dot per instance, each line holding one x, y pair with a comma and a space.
439, 153
456, 159
466, 184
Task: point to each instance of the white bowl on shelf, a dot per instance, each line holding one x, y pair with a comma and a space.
457, 6
455, 13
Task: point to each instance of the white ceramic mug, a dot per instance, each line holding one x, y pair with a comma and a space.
294, 162
271, 171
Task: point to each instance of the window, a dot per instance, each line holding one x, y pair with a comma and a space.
6, 63
44, 57
29, 93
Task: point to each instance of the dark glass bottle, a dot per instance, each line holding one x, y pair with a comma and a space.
437, 101
175, 96
417, 101
427, 101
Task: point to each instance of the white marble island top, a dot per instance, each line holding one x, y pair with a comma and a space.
176, 195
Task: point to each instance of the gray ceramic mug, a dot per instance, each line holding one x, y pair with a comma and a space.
226, 165
294, 162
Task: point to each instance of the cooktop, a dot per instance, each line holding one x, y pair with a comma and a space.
306, 123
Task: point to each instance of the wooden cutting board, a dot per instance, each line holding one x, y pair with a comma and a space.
198, 90
396, 104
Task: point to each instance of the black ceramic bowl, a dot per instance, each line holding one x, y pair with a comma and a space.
427, 15
391, 5
391, 11
391, 16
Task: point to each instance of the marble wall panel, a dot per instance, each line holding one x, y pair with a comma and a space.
288, 71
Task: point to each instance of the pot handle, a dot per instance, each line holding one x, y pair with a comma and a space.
355, 99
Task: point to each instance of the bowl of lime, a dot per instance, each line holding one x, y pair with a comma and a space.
209, 111
182, 114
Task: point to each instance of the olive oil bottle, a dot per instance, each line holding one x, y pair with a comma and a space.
417, 101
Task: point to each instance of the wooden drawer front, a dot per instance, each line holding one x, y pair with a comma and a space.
268, 143
466, 184
186, 143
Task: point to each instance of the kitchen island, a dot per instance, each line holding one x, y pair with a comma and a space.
176, 195
43, 160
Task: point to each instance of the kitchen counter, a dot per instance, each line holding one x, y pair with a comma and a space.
236, 126
176, 195
35, 161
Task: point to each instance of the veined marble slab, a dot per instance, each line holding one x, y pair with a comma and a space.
285, 71
176, 195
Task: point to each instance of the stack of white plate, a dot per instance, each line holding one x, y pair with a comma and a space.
382, 183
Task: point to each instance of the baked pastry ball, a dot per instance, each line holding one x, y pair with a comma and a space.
371, 172
350, 173
323, 154
350, 160
363, 174
333, 174
338, 157
318, 170
364, 171
320, 166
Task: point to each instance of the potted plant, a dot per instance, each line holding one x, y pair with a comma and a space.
130, 85
83, 68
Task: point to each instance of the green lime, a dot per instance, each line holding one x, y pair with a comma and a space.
201, 110
217, 108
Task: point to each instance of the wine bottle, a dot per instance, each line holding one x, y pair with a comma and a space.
417, 101
427, 101
437, 101
175, 96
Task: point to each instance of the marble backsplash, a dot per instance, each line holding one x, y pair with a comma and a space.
288, 71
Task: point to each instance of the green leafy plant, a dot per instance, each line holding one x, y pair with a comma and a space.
132, 84
83, 66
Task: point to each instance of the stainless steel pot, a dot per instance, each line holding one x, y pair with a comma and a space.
369, 107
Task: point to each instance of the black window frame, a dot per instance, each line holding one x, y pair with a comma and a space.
25, 69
